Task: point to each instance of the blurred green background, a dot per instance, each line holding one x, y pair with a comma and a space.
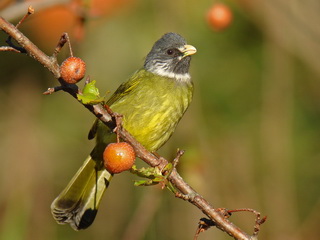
251, 135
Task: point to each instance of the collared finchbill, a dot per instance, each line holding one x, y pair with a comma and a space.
187, 50
152, 101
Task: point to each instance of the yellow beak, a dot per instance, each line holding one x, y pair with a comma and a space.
188, 50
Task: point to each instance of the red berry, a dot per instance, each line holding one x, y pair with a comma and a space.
72, 69
219, 16
118, 157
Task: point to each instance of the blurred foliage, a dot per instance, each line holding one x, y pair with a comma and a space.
251, 135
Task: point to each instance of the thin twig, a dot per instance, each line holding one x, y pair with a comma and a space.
53, 90
62, 41
9, 40
258, 222
177, 158
30, 11
9, 49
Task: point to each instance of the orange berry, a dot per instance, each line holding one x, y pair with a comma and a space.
219, 16
72, 69
118, 157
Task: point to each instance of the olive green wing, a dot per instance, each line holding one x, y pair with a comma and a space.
123, 90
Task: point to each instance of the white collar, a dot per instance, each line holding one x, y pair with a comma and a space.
181, 77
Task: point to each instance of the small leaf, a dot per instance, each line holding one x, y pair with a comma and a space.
90, 88
140, 183
150, 173
168, 167
171, 187
90, 94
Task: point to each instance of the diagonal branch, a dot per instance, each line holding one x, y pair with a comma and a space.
185, 191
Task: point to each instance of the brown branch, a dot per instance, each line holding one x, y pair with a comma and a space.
186, 192
9, 49
31, 49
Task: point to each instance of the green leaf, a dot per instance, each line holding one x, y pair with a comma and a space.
91, 88
90, 94
150, 173
139, 183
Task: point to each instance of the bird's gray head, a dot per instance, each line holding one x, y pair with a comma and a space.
170, 57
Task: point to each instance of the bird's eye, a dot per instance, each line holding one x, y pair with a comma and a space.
170, 51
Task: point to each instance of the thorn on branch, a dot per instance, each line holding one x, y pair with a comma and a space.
168, 168
118, 119
70, 88
177, 158
9, 49
62, 41
53, 90
87, 81
30, 11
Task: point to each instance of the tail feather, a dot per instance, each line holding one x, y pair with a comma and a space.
78, 203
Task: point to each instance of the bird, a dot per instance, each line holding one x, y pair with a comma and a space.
152, 102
